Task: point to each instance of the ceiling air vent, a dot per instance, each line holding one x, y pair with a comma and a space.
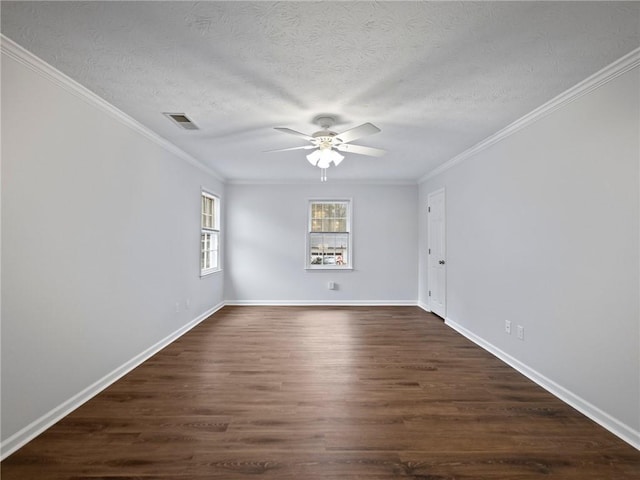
181, 120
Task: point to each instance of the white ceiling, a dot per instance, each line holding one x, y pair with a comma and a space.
436, 77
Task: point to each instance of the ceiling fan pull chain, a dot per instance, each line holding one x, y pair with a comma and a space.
323, 174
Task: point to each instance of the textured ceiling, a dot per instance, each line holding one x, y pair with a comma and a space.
436, 77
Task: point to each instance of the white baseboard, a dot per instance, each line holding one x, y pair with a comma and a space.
424, 306
35, 428
602, 418
323, 303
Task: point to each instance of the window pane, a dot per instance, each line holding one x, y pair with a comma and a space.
330, 225
214, 220
317, 249
342, 246
204, 215
209, 217
328, 249
329, 252
328, 217
317, 244
215, 241
203, 251
330, 209
204, 212
337, 225
342, 241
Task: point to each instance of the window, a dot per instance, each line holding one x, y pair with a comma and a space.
329, 235
209, 234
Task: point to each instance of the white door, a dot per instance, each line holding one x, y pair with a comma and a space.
436, 253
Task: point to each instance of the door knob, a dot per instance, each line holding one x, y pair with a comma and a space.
441, 262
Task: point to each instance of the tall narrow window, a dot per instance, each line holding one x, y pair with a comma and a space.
210, 234
329, 235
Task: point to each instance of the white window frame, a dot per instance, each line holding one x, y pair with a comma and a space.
213, 231
349, 264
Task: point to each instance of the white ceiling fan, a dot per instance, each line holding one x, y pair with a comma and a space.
327, 144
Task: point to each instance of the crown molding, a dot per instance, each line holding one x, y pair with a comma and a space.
600, 78
306, 181
14, 51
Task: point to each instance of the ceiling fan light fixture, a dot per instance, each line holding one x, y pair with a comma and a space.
323, 157
324, 162
336, 157
314, 157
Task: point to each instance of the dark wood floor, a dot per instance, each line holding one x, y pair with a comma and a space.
324, 393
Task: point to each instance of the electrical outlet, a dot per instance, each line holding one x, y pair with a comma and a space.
507, 326
187, 303
332, 285
177, 307
520, 332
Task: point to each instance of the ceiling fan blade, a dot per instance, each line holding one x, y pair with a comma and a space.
293, 132
306, 147
373, 152
357, 132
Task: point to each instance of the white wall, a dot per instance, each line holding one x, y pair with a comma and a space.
265, 236
542, 229
100, 239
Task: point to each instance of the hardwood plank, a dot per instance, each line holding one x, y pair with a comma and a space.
324, 393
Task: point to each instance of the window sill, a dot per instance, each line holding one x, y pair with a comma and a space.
326, 267
206, 273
